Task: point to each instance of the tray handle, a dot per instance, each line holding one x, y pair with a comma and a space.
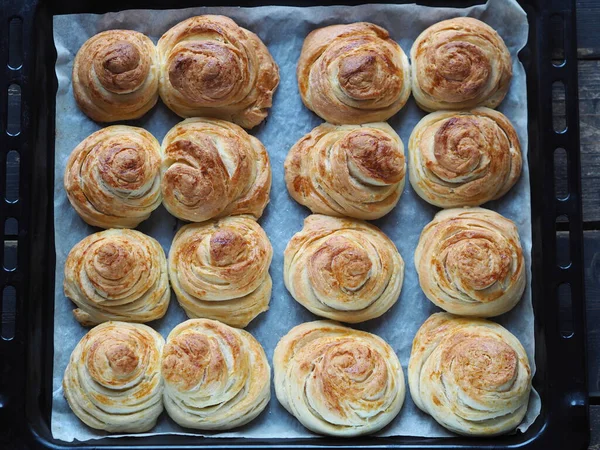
15, 154
558, 284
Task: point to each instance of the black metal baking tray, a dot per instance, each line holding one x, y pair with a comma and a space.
27, 59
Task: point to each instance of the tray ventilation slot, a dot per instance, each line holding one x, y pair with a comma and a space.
561, 174
563, 244
11, 228
13, 123
12, 176
9, 307
557, 40
15, 43
565, 306
559, 116
11, 247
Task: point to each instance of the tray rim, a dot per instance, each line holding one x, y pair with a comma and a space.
571, 410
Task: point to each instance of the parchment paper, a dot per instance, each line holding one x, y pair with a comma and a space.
283, 30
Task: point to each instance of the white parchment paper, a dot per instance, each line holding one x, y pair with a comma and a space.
283, 30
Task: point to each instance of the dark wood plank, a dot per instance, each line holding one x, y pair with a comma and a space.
589, 119
595, 427
588, 38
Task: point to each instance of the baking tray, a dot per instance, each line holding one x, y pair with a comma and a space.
27, 60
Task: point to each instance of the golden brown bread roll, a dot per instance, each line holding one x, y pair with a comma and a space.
115, 76
353, 74
460, 63
464, 158
112, 381
213, 168
117, 275
112, 177
343, 269
470, 262
209, 66
220, 269
216, 377
471, 375
336, 380
349, 170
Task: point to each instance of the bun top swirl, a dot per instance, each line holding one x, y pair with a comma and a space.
352, 74
470, 262
117, 275
216, 377
212, 67
213, 168
472, 375
115, 76
343, 269
338, 381
112, 381
464, 158
348, 170
460, 63
112, 177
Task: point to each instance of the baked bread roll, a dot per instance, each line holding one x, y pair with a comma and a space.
209, 66
216, 377
112, 178
471, 375
353, 74
460, 63
343, 269
470, 262
464, 158
212, 168
117, 275
220, 269
349, 170
115, 76
112, 381
338, 381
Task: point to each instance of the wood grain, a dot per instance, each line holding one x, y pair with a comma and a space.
589, 116
588, 38
595, 426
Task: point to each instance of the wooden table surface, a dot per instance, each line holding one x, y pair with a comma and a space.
588, 42
588, 18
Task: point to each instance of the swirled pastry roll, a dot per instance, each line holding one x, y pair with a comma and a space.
216, 377
464, 158
343, 269
470, 262
220, 270
336, 380
117, 275
349, 170
115, 76
112, 178
112, 381
212, 168
353, 74
212, 67
471, 375
460, 63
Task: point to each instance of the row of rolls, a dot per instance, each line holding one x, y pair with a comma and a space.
209, 168
471, 375
469, 262
347, 74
